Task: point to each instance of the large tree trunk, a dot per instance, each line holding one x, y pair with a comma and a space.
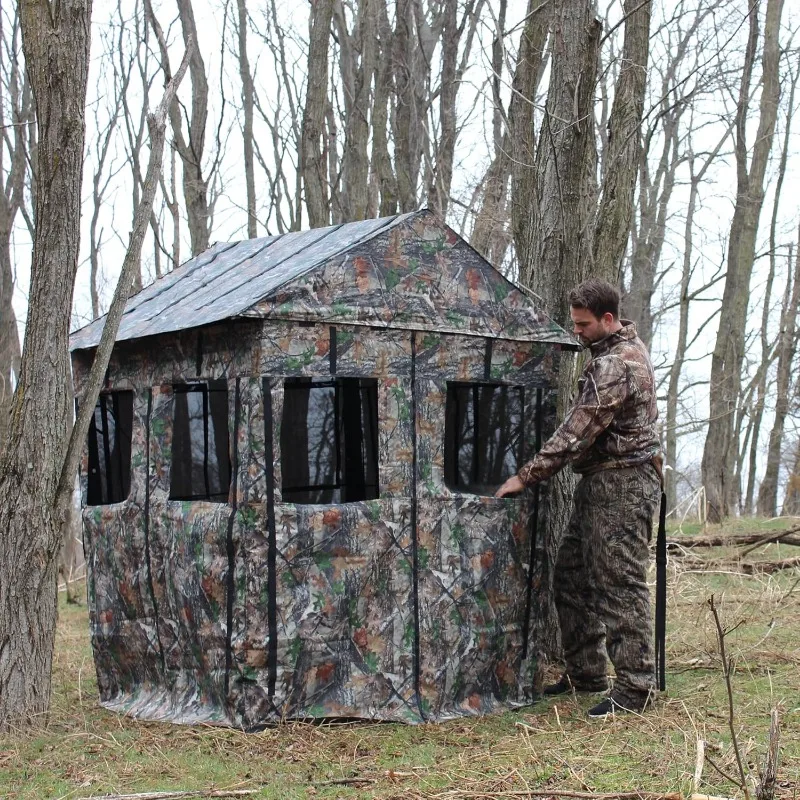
624, 145
522, 132
558, 251
312, 161
358, 61
56, 47
720, 451
38, 468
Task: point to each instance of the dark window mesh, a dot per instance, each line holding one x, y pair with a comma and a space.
110, 449
329, 440
201, 468
483, 435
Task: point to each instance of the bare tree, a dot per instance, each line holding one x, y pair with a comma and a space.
191, 150
16, 113
787, 348
719, 453
557, 245
56, 48
767, 348
248, 106
313, 153
622, 153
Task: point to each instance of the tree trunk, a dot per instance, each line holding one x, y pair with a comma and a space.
791, 502
57, 56
383, 177
442, 175
766, 349
195, 185
12, 152
312, 161
407, 115
719, 453
787, 347
522, 131
559, 250
489, 233
623, 154
248, 102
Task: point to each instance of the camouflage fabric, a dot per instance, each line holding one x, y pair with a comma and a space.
613, 421
601, 588
409, 607
410, 271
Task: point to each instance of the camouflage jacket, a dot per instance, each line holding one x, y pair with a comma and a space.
613, 422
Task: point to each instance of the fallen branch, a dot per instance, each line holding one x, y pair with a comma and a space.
699, 763
735, 540
567, 793
201, 793
345, 782
754, 567
744, 567
706, 797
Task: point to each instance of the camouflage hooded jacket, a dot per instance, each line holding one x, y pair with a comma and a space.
613, 422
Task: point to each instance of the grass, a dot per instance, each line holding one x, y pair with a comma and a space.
85, 751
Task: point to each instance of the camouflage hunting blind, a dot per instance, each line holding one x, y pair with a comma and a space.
288, 481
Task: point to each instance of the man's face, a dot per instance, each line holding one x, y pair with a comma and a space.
588, 328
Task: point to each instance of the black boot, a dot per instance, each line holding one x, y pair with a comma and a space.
566, 686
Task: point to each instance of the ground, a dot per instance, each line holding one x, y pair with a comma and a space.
85, 751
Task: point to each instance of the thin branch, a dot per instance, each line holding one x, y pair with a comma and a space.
157, 125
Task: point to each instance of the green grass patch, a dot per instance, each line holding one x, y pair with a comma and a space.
85, 751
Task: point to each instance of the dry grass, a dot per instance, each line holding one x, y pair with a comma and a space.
85, 751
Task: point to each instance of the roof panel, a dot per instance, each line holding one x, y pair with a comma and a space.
228, 279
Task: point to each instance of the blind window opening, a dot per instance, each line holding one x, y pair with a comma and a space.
110, 432
329, 440
483, 436
201, 467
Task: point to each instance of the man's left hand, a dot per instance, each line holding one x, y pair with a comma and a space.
512, 486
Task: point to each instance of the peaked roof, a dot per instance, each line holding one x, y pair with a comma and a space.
406, 271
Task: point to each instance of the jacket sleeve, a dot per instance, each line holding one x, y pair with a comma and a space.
605, 389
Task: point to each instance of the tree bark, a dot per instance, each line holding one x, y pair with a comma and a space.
766, 349
38, 468
195, 184
312, 162
14, 148
489, 233
791, 500
522, 130
248, 103
56, 42
382, 171
559, 252
787, 347
623, 154
720, 450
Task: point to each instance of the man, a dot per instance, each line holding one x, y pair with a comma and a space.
609, 437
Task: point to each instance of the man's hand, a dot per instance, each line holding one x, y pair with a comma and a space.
512, 486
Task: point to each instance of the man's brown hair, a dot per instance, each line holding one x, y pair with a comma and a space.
599, 297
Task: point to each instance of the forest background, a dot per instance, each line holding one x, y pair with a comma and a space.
436, 133
645, 142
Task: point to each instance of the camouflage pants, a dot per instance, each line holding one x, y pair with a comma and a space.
600, 581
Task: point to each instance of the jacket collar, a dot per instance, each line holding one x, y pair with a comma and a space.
625, 334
